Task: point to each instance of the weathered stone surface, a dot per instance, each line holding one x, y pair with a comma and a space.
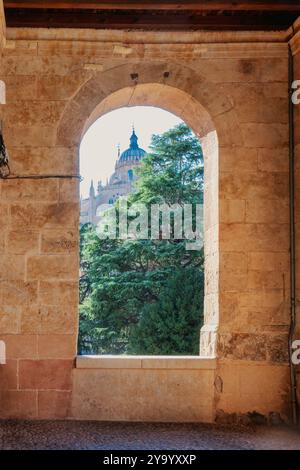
60, 319
265, 135
43, 267
18, 404
59, 241
234, 262
20, 346
58, 87
54, 403
167, 386
57, 346
69, 190
58, 293
12, 267
251, 185
20, 87
253, 237
32, 136
30, 190
243, 346
268, 280
273, 160
232, 211
18, 293
8, 376
10, 320
43, 161
238, 159
21, 242
267, 211
33, 113
277, 348
38, 215
51, 374
268, 261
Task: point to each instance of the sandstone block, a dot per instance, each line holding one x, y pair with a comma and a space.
18, 404
20, 242
18, 293
265, 135
268, 280
69, 190
58, 320
59, 293
52, 267
232, 211
12, 267
273, 160
57, 346
59, 241
267, 211
30, 190
40, 215
10, 320
54, 404
20, 346
252, 185
254, 237
243, 346
232, 281
268, 261
20, 87
52, 320
235, 262
33, 113
238, 159
30, 136
8, 376
48, 374
43, 160
58, 87
31, 320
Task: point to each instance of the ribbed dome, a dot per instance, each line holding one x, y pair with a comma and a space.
134, 152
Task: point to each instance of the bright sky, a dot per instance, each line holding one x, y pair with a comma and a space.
98, 149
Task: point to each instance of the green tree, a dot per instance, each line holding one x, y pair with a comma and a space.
128, 283
171, 325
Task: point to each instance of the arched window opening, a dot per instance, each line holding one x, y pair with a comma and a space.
130, 175
142, 292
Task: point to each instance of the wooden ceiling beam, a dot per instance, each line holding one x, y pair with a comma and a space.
146, 20
201, 6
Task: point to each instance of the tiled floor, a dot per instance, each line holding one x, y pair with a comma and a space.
121, 436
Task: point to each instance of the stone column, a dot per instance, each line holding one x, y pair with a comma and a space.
2, 42
295, 46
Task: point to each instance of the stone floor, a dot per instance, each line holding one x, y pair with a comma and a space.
120, 436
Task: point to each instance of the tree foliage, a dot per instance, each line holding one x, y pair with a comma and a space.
146, 296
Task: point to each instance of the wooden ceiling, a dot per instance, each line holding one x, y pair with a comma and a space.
154, 15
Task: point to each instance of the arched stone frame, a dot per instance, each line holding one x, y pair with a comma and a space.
181, 91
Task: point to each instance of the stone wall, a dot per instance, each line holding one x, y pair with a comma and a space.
295, 47
234, 96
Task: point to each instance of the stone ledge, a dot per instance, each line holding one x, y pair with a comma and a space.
145, 362
136, 37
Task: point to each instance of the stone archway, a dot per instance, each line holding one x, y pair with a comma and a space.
179, 91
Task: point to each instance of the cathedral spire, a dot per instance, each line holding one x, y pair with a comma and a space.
133, 139
92, 189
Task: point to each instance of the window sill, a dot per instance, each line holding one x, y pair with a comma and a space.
145, 362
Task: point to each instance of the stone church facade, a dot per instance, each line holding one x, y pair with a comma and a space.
120, 183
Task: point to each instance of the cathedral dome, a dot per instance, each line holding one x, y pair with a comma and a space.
134, 152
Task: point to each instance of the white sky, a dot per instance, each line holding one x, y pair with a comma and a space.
98, 149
